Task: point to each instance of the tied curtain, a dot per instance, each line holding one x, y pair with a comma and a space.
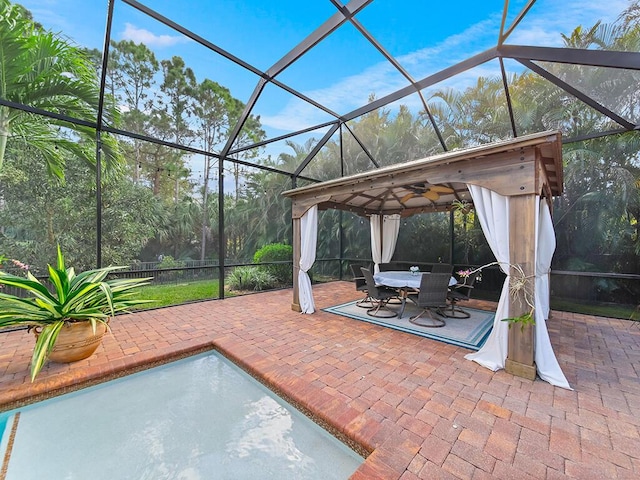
308, 240
383, 240
546, 361
493, 213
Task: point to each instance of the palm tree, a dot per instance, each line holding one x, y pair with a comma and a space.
474, 116
42, 70
178, 227
602, 194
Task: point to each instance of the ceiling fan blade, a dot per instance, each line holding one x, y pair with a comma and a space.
431, 195
407, 197
441, 189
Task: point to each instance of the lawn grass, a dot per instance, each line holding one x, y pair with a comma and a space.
627, 312
177, 293
609, 310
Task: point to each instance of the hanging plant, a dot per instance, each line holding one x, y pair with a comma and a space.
520, 290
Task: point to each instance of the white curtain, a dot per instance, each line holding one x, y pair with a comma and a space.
545, 247
308, 239
493, 213
546, 362
383, 244
376, 242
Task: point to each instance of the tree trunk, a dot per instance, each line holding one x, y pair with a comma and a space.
4, 133
205, 191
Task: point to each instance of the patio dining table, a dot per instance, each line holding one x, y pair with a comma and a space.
404, 281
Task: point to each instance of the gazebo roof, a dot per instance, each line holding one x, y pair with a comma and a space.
527, 164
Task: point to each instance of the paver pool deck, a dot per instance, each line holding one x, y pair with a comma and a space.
418, 407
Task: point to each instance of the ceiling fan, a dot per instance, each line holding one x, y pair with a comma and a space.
432, 192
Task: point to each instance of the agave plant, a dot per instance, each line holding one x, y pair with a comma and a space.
85, 297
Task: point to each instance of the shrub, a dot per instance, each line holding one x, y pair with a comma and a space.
250, 278
169, 262
276, 252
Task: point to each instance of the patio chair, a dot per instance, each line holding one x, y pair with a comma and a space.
388, 267
361, 286
432, 296
380, 296
460, 292
442, 268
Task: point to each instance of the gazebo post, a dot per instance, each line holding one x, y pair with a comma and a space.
520, 356
381, 233
298, 209
295, 306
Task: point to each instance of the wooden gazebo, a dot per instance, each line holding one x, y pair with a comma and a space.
523, 169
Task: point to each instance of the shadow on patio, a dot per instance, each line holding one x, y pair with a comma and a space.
417, 405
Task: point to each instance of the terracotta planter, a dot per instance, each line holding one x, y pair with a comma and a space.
76, 341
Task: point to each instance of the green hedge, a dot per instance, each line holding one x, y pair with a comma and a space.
276, 252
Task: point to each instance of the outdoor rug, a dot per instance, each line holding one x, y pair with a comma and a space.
464, 332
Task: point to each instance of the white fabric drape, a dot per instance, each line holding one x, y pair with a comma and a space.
390, 229
308, 240
376, 241
546, 361
383, 244
493, 213
545, 247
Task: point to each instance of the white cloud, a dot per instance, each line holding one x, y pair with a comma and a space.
381, 78
547, 19
535, 35
140, 35
542, 26
343, 96
295, 115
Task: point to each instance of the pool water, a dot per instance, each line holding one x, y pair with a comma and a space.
198, 418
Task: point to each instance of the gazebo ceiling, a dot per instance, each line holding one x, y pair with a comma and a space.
527, 164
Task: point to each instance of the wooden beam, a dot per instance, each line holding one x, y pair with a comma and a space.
295, 305
520, 356
346, 208
508, 173
403, 212
416, 171
407, 212
301, 205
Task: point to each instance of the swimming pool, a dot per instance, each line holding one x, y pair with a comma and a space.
198, 418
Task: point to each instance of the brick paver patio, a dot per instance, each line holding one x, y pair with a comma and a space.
418, 407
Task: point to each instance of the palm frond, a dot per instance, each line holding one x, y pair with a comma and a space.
30, 284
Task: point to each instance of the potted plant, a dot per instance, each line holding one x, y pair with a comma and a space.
70, 318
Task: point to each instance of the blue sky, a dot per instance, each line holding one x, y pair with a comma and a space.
340, 72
